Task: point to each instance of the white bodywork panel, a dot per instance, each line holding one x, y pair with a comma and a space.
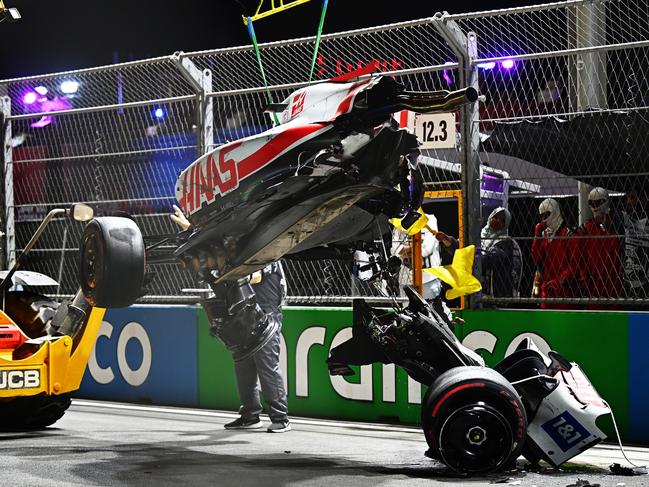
564, 425
322, 102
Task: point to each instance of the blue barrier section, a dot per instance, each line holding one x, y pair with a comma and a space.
638, 377
145, 354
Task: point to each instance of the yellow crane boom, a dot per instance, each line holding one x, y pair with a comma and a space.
276, 6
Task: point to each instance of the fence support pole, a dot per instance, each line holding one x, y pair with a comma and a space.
9, 255
587, 74
465, 48
201, 81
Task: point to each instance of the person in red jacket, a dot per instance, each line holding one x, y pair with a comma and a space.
554, 253
601, 250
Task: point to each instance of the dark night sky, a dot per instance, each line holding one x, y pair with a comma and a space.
59, 35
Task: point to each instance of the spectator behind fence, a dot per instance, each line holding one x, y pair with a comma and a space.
554, 253
501, 256
600, 250
636, 244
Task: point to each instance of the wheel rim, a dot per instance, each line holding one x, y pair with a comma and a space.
90, 264
475, 438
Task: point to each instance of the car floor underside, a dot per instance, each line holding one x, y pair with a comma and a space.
295, 214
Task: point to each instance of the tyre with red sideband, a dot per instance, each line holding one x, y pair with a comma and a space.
473, 420
112, 262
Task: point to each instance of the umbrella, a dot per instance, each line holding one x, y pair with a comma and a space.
594, 147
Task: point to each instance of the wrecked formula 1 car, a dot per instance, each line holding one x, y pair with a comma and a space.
331, 174
322, 177
329, 177
476, 419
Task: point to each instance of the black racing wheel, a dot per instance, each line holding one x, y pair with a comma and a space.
473, 420
521, 365
112, 262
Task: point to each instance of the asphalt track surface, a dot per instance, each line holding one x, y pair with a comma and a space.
110, 444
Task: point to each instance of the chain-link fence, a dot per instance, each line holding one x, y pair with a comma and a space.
568, 93
566, 97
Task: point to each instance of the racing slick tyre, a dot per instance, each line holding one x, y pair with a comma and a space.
112, 262
32, 412
473, 420
518, 366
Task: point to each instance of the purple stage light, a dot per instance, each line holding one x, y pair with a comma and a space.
159, 113
56, 105
41, 90
507, 64
29, 98
447, 77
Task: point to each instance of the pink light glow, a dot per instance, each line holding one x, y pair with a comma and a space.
57, 104
44, 121
508, 63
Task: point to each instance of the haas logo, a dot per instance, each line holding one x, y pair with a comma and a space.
217, 173
220, 172
297, 104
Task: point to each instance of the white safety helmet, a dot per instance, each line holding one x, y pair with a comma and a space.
598, 201
551, 214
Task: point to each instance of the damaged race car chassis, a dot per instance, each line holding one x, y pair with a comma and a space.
328, 178
476, 419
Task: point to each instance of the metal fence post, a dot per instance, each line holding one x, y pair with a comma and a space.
465, 48
9, 255
201, 81
588, 74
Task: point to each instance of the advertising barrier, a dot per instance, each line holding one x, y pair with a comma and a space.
638, 377
597, 341
145, 354
376, 393
165, 355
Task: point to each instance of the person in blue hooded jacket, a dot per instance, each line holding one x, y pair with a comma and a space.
500, 256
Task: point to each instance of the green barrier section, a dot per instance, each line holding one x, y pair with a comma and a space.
375, 393
597, 341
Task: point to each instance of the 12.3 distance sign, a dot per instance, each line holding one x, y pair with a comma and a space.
435, 130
